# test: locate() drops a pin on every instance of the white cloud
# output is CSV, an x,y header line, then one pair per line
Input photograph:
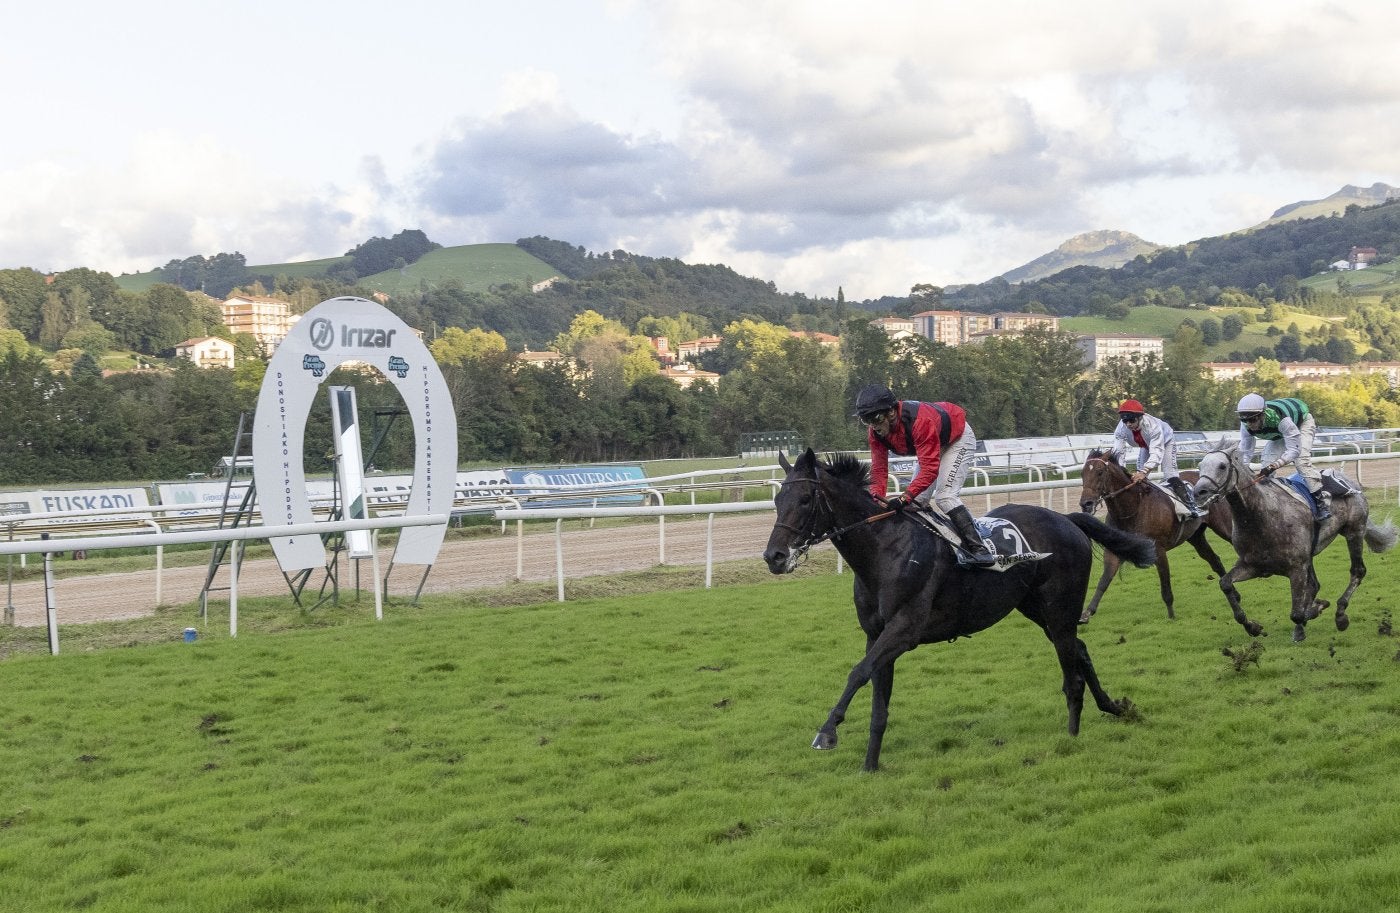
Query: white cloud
x,y
820,144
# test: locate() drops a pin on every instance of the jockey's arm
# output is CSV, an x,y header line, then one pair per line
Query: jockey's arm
x,y
1292,440
1156,447
1246,445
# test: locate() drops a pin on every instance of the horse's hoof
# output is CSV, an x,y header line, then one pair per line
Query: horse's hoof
x,y
1254,629
1084,619
1300,634
824,741
1343,622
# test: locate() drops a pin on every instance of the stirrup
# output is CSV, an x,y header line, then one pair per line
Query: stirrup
x,y
983,557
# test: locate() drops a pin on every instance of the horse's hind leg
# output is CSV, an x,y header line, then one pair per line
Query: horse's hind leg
x,y
1074,678
1358,574
1164,579
1111,563
1091,678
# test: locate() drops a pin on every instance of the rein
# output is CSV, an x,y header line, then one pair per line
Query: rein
x,y
811,537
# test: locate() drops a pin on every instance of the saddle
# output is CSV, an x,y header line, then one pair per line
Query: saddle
x,y
1183,512
1334,483
1002,536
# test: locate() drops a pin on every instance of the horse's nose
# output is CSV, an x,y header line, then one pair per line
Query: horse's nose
x,y
1086,506
777,559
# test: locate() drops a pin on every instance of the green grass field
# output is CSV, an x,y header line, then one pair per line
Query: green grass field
x,y
649,752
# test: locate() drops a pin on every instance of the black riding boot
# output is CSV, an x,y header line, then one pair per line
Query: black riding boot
x,y
1323,497
1187,496
977,550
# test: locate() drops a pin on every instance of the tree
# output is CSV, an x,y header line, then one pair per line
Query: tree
x,y
23,292
458,345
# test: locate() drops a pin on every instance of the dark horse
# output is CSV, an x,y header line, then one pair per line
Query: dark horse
x,y
909,589
1275,534
1145,509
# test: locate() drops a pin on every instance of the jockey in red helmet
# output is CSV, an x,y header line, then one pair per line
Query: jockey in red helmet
x,y
939,436
1156,449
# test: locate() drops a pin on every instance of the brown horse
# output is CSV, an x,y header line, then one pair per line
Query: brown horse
x,y
1143,508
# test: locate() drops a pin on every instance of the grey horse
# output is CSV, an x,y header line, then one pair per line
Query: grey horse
x,y
1274,534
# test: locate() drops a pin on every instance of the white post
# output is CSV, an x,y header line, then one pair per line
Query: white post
x,y
233,590
709,550
559,556
50,606
374,563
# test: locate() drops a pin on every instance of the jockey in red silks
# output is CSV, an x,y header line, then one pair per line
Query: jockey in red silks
x,y
945,445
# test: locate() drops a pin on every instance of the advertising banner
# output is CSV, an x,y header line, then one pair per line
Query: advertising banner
x,y
77,500
542,481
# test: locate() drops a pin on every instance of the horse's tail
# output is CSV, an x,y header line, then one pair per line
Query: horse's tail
x,y
1138,550
1382,538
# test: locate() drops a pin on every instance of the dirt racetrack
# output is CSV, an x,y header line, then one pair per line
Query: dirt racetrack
x,y
462,565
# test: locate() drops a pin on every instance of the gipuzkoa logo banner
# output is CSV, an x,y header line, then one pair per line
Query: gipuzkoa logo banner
x,y
332,333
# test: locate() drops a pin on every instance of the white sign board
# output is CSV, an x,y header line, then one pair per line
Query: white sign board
x,y
332,333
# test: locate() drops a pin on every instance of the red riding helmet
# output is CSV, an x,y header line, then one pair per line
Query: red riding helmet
x,y
1132,406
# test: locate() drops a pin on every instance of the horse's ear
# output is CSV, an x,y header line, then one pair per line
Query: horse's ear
x,y
808,459
782,461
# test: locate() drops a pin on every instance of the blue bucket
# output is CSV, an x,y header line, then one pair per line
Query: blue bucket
x,y
190,635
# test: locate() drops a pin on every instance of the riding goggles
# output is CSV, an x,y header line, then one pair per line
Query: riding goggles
x,y
1130,416
873,418
1248,417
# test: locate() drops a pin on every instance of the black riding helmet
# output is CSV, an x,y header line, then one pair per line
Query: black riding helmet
x,y
874,399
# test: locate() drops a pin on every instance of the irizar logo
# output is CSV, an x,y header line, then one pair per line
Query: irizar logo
x,y
398,365
322,336
366,337
314,364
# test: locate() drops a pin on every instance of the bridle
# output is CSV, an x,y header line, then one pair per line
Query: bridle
x,y
809,536
1109,494
1231,482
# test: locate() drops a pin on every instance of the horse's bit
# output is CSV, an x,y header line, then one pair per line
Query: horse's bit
x,y
1223,487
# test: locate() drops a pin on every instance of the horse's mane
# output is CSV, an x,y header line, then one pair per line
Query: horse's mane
x,y
1107,456
848,468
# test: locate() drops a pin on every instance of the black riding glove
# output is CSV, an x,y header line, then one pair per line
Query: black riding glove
x,y
898,503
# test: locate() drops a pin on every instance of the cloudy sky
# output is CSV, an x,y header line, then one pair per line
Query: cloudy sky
x,y
867,146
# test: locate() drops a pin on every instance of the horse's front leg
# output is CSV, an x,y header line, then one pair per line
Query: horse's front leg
x,y
1111,563
897,638
881,689
1240,571
1302,587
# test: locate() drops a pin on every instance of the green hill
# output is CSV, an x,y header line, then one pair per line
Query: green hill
x,y
1373,282
1107,249
478,267
1334,205
1154,320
